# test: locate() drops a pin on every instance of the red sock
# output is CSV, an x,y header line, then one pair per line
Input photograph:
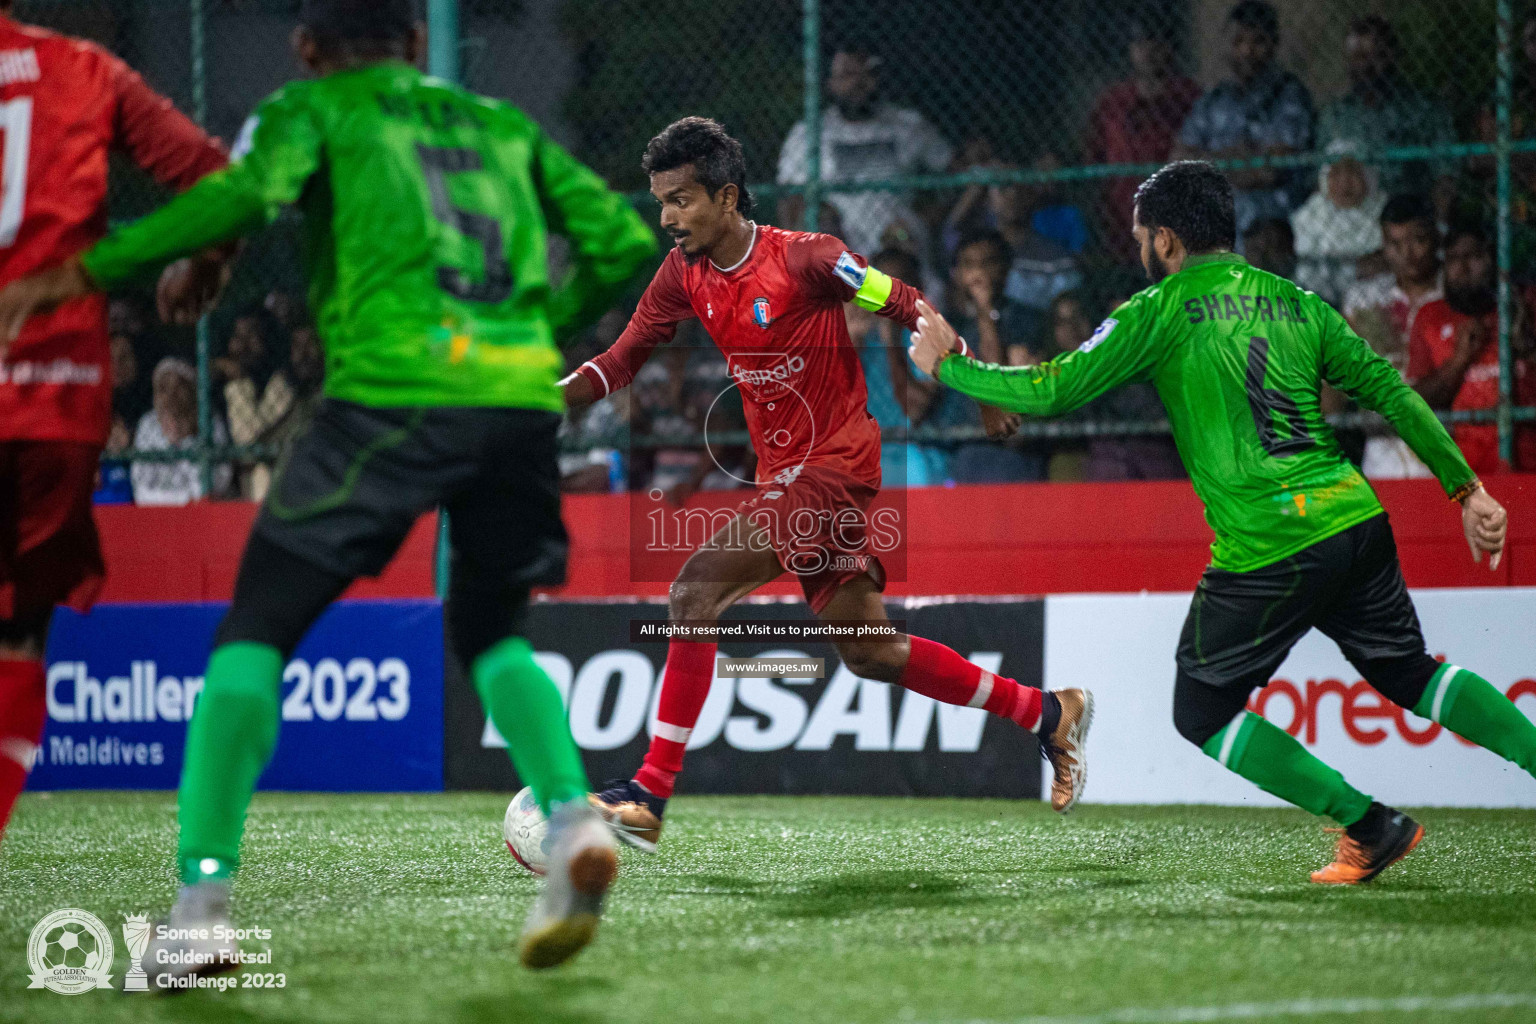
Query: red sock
x,y
684,686
934,670
22,713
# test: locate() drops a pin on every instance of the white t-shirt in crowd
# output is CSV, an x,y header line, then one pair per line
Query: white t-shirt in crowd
x,y
172,483
893,142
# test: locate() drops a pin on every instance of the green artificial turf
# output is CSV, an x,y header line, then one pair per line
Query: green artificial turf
x,y
773,909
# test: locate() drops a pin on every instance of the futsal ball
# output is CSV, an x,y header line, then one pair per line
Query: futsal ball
x,y
70,945
526,831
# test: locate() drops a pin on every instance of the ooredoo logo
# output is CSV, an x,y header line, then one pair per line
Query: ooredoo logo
x,y
1367,717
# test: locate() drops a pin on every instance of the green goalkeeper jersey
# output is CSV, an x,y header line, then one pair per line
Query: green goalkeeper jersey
x,y
1239,357
426,214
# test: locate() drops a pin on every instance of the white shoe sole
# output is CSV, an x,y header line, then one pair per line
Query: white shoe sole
x,y
1078,737
629,838
554,941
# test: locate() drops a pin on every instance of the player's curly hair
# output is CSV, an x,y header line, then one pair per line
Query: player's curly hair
x,y
1192,199
703,142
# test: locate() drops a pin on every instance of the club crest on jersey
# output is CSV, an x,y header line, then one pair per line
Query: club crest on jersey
x,y
761,314
1099,335
849,270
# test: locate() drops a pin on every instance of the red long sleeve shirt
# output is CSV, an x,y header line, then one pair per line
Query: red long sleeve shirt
x,y
64,104
778,318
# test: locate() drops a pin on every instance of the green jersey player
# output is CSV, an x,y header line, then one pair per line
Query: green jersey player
x,y
426,210
1239,356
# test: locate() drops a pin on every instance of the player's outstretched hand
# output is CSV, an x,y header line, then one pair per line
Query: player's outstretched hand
x,y
1485,523
933,340
189,287
38,293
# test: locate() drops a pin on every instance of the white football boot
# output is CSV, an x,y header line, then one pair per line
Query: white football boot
x,y
190,949
582,865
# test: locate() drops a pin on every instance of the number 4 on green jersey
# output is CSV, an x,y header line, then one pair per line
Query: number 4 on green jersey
x,y
1239,357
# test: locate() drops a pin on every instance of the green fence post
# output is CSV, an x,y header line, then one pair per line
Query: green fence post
x,y
812,39
442,61
1501,149
198,41
443,39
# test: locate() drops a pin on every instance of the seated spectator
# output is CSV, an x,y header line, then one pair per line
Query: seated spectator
x,y
1382,109
1259,111
1002,329
1270,244
864,138
305,377
131,399
131,392
1041,268
1051,214
1338,229
285,309
1068,323
256,396
170,425
1382,310
1048,213
902,397
1135,121
1453,355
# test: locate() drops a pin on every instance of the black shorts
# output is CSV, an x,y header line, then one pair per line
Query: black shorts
x,y
359,477
1241,625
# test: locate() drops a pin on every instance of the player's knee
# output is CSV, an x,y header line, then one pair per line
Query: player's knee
x,y
482,613
271,623
882,662
1197,713
694,600
1190,724
1401,680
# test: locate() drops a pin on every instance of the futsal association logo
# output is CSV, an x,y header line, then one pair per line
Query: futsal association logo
x,y
70,952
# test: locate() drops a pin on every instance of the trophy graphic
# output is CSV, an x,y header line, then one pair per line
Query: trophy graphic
x,y
136,935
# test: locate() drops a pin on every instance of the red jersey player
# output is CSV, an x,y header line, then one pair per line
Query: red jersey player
x,y
773,300
64,103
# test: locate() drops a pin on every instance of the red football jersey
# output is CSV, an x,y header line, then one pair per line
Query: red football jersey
x,y
1432,345
64,104
777,316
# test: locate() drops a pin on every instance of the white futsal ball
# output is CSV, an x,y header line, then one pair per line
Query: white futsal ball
x,y
526,831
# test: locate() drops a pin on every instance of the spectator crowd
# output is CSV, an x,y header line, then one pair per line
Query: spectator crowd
x,y
264,387
1025,271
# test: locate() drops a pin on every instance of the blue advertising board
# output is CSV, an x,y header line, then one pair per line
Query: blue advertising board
x,y
362,698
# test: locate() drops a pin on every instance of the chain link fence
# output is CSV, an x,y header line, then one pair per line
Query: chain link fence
x,y
987,151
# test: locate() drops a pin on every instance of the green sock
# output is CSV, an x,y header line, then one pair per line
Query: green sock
x,y
1271,759
1473,708
229,742
526,709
